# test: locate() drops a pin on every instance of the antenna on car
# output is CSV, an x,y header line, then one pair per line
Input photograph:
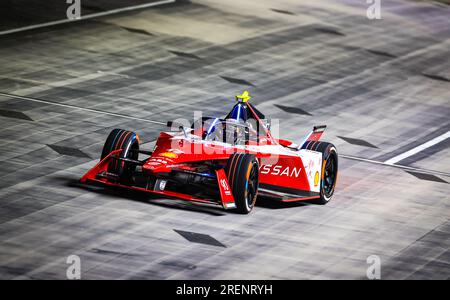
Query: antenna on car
x,y
244,97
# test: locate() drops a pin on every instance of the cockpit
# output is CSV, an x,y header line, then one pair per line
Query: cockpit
x,y
242,125
229,131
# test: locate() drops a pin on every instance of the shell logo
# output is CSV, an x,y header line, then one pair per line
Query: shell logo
x,y
169,154
316,178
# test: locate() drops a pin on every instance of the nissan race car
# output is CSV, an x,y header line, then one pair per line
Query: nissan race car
x,y
227,161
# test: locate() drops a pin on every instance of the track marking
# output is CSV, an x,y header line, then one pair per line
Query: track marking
x,y
164,124
81,108
418,149
395,166
86,17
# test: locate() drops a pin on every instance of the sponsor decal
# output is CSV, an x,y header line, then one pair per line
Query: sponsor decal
x,y
310,168
225,187
278,170
224,184
316,178
169,154
162,185
156,161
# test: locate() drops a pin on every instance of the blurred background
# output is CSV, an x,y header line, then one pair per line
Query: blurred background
x,y
382,86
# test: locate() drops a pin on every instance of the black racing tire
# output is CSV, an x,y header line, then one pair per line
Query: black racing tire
x,y
243,176
128,141
329,169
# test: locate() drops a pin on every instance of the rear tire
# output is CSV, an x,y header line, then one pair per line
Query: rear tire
x,y
128,142
243,176
329,169
329,172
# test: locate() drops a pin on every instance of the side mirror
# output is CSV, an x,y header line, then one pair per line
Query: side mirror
x,y
185,130
171,123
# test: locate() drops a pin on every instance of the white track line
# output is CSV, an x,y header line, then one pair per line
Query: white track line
x,y
418,149
81,108
395,166
91,16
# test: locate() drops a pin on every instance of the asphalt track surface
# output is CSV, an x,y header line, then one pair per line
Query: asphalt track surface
x,y
381,86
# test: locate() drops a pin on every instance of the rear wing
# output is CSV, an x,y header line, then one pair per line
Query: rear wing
x,y
313,136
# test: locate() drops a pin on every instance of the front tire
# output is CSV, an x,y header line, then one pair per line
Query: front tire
x,y
243,176
128,142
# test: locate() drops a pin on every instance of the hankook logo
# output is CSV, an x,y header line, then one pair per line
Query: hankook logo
x,y
278,170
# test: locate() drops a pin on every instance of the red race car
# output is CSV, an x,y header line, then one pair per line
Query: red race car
x,y
226,161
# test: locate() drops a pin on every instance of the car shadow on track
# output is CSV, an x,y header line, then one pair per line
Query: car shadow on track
x,y
143,197
266,202
172,203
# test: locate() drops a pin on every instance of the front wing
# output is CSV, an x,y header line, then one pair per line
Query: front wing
x,y
98,174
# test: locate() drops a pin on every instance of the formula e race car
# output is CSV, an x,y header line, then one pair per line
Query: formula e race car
x,y
227,161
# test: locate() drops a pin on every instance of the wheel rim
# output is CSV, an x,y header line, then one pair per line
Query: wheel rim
x,y
132,154
251,188
329,178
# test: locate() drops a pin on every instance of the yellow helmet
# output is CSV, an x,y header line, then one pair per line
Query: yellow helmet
x,y
244,97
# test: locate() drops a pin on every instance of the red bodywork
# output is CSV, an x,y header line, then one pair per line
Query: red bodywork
x,y
286,173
